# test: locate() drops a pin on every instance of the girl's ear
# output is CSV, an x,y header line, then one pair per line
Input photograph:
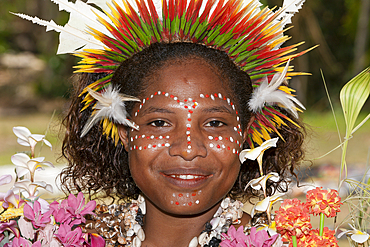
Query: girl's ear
x,y
245,133
123,135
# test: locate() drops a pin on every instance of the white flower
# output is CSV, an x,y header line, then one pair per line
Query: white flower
x,y
260,182
25,165
266,205
257,153
254,153
271,229
31,187
356,235
25,138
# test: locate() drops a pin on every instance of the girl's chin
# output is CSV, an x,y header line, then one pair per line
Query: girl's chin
x,y
186,204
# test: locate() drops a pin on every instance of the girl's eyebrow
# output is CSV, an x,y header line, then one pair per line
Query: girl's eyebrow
x,y
216,109
153,109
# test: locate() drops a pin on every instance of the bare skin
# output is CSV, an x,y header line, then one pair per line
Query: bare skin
x,y
184,157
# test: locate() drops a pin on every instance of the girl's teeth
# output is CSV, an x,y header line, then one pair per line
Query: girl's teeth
x,y
185,176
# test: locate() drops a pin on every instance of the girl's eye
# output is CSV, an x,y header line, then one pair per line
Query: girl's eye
x,y
159,123
215,123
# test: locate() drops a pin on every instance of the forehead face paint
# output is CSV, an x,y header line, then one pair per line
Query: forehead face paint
x,y
233,144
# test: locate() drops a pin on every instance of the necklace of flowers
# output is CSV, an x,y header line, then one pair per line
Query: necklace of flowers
x,y
124,224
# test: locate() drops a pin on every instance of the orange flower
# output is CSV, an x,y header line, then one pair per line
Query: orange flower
x,y
292,219
323,201
313,239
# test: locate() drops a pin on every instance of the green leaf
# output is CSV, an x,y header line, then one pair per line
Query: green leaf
x,y
353,96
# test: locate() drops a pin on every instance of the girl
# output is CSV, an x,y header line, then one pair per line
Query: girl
x,y
163,109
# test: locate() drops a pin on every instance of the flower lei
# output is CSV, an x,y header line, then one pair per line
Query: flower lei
x,y
28,220
123,223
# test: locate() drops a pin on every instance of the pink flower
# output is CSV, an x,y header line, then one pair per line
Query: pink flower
x,y
323,201
78,209
234,238
68,237
8,226
96,240
72,210
260,238
21,242
60,213
35,216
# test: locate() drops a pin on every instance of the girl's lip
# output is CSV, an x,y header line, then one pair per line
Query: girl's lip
x,y
186,180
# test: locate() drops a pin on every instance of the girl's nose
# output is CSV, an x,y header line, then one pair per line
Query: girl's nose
x,y
188,144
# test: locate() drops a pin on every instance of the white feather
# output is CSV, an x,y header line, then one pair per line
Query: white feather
x,y
110,104
74,36
82,15
269,93
70,38
102,4
290,8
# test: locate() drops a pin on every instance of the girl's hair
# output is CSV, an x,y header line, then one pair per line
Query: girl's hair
x,y
97,165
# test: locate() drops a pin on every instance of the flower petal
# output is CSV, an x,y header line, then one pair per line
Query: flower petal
x,y
21,132
37,137
262,205
5,179
20,159
26,228
96,240
47,143
21,171
28,212
253,154
360,237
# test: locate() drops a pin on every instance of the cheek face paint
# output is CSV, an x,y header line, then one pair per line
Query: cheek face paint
x,y
186,199
156,142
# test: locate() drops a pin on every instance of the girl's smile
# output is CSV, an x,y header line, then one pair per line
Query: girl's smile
x,y
184,157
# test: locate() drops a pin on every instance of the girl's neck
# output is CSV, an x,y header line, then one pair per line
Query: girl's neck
x,y
162,229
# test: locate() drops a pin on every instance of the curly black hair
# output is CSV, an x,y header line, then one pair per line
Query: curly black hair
x,y
97,165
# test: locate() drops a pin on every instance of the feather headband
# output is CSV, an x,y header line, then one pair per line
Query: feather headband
x,y
103,33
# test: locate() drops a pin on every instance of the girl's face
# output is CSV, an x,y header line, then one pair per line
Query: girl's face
x,y
184,157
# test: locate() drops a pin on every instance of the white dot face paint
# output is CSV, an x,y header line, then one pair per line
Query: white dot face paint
x,y
190,106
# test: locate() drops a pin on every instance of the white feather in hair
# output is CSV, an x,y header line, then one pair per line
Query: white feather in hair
x,y
269,93
110,104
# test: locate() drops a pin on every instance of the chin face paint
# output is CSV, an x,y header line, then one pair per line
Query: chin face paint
x,y
186,199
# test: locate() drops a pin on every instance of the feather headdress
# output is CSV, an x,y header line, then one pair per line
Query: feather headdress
x,y
106,32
